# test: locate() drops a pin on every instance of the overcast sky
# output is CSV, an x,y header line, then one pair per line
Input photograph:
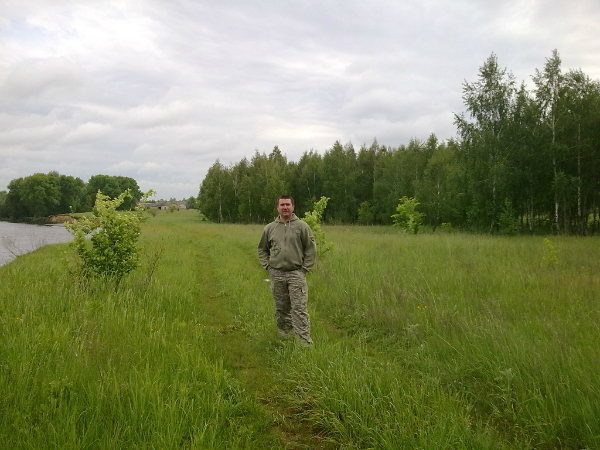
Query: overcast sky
x,y
158,90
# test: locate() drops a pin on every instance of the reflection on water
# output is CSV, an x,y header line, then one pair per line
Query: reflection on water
x,y
19,238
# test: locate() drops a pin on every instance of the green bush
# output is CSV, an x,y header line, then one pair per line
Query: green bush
x,y
366,216
508,220
113,252
313,219
407,215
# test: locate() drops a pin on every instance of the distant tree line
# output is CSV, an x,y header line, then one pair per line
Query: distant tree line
x,y
524,160
42,195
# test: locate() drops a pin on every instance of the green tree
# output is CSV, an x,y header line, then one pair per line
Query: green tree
x,y
113,187
248,200
112,248
530,175
3,208
191,203
387,184
365,214
276,181
549,91
407,216
313,219
582,123
72,194
216,194
40,193
439,190
307,181
339,182
508,220
14,206
365,177
486,143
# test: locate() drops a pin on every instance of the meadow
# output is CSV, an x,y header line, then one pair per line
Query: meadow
x,y
430,341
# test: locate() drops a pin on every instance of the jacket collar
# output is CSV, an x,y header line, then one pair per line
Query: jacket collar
x,y
294,217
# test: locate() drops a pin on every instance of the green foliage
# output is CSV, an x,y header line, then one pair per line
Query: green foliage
x,y
537,148
508,220
191,203
407,216
172,208
42,195
487,138
339,182
113,252
550,258
3,211
313,219
112,187
215,198
365,214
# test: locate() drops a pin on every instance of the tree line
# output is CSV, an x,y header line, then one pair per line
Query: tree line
x,y
523,160
42,195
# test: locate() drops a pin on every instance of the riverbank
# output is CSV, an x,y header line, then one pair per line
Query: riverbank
x,y
51,220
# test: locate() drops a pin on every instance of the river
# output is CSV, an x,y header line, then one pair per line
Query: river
x,y
20,238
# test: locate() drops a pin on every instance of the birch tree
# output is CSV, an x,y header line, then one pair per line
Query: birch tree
x,y
485,144
548,94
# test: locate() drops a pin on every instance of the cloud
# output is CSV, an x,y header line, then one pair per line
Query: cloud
x,y
159,90
35,77
86,132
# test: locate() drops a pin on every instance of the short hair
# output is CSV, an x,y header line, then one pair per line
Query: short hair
x,y
284,197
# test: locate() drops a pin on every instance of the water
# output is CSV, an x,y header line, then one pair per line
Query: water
x,y
19,238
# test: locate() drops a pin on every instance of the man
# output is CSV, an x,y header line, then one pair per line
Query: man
x,y
287,250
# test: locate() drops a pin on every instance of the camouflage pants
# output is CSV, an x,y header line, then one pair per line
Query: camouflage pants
x,y
290,295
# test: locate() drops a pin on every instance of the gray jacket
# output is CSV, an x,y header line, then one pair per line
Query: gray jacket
x,y
287,245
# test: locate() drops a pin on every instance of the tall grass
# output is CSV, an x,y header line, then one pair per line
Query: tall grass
x,y
428,341
84,367
484,321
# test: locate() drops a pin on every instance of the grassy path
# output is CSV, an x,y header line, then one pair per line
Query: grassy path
x,y
244,331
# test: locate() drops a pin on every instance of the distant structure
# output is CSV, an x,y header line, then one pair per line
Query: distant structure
x,y
163,205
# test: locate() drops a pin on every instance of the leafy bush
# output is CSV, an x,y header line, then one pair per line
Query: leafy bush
x,y
366,216
407,215
113,252
508,220
313,219
550,258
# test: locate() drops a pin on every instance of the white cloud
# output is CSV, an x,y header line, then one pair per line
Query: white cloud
x,y
86,132
159,90
34,77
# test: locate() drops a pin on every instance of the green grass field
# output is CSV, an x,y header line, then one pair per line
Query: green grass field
x,y
434,341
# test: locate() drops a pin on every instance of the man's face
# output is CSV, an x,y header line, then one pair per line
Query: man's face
x,y
285,208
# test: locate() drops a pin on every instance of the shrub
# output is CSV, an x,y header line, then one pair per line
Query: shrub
x,y
313,219
550,258
508,220
113,252
365,214
407,215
